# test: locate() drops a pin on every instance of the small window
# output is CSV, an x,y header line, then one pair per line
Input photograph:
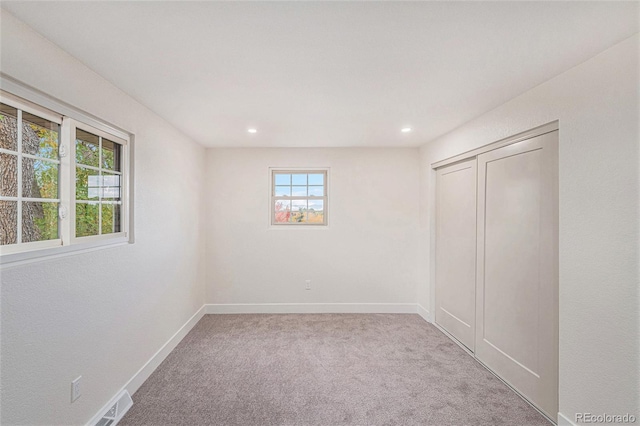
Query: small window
x,y
299,197
98,178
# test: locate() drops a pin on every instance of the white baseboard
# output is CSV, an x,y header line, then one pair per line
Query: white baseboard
x,y
424,313
312,308
149,367
565,421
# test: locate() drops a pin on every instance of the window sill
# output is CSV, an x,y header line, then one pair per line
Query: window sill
x,y
16,259
297,227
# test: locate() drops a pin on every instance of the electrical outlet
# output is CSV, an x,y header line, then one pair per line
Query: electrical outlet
x,y
307,285
75,389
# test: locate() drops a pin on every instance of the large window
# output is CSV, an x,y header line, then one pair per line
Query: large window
x,y
299,197
62,182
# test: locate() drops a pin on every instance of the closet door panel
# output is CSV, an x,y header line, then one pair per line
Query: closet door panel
x,y
456,250
516,312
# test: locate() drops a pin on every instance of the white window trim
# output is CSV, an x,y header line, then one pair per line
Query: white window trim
x,y
30,100
292,225
73,125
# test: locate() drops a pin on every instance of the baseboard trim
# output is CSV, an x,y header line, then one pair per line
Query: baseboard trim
x,y
312,308
424,313
149,367
565,421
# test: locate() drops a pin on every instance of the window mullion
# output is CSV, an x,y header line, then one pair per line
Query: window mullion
x,y
19,170
100,185
67,169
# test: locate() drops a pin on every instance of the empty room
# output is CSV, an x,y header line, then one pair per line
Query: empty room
x,y
319,213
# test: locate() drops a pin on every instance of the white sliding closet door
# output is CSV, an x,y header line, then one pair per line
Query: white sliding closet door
x,y
456,250
517,267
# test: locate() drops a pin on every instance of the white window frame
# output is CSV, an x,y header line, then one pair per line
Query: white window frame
x,y
69,119
273,198
124,206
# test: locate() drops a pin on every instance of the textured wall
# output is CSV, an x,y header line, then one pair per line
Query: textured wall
x,y
104,313
367,254
597,105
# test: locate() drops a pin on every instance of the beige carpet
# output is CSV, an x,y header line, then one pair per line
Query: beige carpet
x,y
331,369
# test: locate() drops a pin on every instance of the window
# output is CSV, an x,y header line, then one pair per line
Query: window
x,y
299,197
29,178
97,182
62,182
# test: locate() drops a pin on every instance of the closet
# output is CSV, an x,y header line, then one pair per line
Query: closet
x,y
496,260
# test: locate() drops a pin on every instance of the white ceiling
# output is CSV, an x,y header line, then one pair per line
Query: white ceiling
x,y
318,74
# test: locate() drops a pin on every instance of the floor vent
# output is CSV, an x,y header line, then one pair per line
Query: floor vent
x,y
114,413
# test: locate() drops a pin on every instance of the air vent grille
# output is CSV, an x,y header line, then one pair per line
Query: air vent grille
x,y
115,412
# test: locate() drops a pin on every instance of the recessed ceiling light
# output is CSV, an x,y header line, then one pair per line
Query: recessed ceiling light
x,y
406,129
252,130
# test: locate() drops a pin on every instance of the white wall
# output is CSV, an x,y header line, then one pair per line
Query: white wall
x,y
368,253
100,314
597,106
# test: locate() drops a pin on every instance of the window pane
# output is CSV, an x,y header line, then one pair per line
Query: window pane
x,y
39,136
299,179
299,191
8,222
8,175
314,217
282,212
283,191
110,218
298,205
39,221
39,178
298,209
315,213
316,205
298,217
316,179
87,146
110,186
111,155
87,184
87,219
316,191
282,179
8,127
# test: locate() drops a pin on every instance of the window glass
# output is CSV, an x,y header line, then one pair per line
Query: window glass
x,y
9,175
110,218
8,222
299,198
87,148
39,221
30,210
98,185
111,155
283,179
39,178
40,137
8,127
87,219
